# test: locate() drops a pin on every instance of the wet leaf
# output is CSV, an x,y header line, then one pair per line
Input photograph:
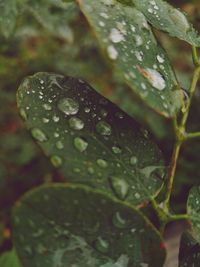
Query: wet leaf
x,y
125,35
8,15
189,253
165,17
81,232
9,259
89,138
193,208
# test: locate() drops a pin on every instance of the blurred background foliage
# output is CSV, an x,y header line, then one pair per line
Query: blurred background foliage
x,y
52,35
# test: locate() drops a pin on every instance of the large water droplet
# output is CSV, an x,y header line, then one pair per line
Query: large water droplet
x,y
156,79
103,128
112,52
76,123
102,245
118,221
119,186
102,163
80,144
116,36
56,161
39,135
68,106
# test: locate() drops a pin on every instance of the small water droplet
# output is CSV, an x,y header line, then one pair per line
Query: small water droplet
x,y
103,128
68,106
59,145
23,113
80,144
102,163
102,245
56,161
90,170
116,149
119,186
87,110
112,52
116,36
47,107
39,135
133,160
118,221
76,123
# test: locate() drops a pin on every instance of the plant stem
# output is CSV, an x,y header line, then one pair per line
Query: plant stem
x,y
180,132
193,135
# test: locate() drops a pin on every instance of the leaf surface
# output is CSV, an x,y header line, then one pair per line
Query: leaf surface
x,y
9,259
69,225
123,32
165,17
89,138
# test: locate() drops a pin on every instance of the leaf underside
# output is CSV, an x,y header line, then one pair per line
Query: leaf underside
x,y
71,226
123,32
9,259
189,253
89,138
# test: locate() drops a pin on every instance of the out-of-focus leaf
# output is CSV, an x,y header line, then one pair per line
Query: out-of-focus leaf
x,y
9,259
193,208
8,15
189,252
165,17
89,138
81,232
126,36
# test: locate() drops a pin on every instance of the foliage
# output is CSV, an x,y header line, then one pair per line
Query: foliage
x,y
113,151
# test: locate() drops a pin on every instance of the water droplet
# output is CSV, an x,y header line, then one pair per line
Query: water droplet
x,y
56,118
23,113
102,163
102,245
138,40
116,36
87,110
80,144
137,195
38,135
119,186
118,221
104,113
160,59
59,145
133,160
116,149
90,170
112,52
47,107
103,128
76,123
154,77
68,106
56,161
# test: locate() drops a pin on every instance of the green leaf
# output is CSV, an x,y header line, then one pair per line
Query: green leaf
x,y
125,35
8,15
193,208
89,138
72,225
9,259
165,17
189,253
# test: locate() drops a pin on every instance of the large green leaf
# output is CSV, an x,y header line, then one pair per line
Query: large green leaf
x,y
193,208
89,138
9,259
71,225
8,15
189,253
165,17
127,38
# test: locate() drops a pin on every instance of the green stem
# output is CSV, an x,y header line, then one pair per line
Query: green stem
x,y
193,135
179,217
195,56
180,132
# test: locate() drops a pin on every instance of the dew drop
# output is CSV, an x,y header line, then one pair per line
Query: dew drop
x,y
59,145
119,186
116,149
68,106
103,128
56,161
23,113
133,160
80,144
76,123
47,107
112,52
101,245
118,221
160,59
102,163
38,135
116,36
155,78
90,170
